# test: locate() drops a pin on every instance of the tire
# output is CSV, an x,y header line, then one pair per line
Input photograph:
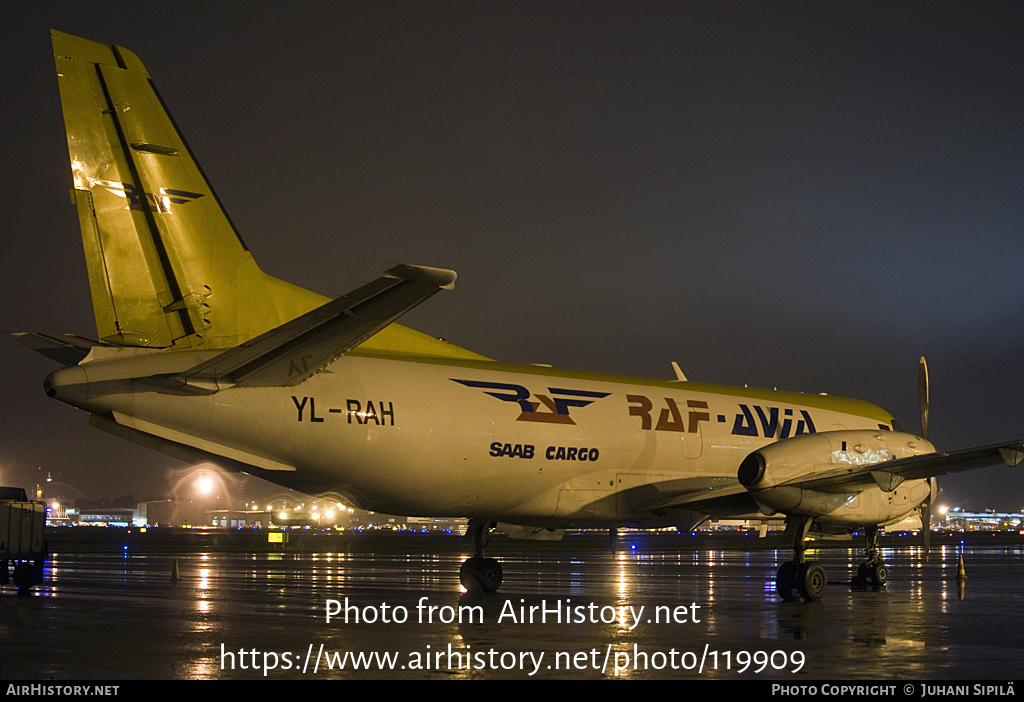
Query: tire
x,y
879,574
863,578
812,581
481,575
24,577
786,582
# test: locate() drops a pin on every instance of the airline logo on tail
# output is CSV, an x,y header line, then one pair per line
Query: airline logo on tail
x,y
153,202
556,408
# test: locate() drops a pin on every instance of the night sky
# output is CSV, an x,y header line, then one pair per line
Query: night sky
x,y
801,195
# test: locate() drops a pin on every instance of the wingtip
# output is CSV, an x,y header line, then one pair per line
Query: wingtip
x,y
441,277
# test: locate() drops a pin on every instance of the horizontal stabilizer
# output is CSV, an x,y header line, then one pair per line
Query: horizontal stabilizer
x,y
65,349
297,349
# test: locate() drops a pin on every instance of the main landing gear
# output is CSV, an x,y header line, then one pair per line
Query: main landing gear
x,y
479,574
799,578
873,572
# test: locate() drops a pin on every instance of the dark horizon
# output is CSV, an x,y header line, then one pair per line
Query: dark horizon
x,y
801,196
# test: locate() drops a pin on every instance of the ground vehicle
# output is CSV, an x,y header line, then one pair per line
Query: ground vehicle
x,y
22,541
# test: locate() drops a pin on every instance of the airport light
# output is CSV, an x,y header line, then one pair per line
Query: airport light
x,y
205,484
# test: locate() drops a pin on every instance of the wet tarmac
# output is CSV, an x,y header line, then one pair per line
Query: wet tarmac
x,y
562,612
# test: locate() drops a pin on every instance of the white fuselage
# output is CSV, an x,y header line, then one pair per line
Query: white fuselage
x,y
424,436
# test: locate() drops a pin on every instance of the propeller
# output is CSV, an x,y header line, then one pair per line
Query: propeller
x,y
922,403
922,395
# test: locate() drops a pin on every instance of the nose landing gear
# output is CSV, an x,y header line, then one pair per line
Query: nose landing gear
x,y
873,572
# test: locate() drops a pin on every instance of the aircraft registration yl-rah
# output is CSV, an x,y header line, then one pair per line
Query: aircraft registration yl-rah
x,y
205,357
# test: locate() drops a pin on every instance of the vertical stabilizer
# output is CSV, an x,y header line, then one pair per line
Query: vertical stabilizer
x,y
166,266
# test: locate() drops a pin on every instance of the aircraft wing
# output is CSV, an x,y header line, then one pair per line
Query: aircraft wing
x,y
719,502
297,349
889,474
731,499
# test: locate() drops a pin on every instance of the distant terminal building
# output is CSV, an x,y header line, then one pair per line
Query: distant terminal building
x,y
155,513
58,514
455,526
175,513
984,521
193,513
116,517
236,519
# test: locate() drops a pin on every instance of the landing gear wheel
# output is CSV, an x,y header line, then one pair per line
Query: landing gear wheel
x,y
787,582
799,578
879,574
812,581
24,577
872,574
480,574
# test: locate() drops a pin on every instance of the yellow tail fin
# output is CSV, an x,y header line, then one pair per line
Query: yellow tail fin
x,y
166,266
167,269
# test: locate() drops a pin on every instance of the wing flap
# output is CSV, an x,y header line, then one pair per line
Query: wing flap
x,y
727,500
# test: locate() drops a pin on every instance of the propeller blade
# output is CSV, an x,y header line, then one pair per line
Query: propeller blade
x,y
922,395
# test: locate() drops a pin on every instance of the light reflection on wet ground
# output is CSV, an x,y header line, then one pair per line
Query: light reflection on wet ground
x,y
103,616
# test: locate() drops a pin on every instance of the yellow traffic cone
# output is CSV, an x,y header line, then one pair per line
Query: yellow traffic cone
x,y
174,572
961,579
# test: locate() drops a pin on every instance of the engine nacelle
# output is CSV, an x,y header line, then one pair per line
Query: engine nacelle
x,y
767,472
